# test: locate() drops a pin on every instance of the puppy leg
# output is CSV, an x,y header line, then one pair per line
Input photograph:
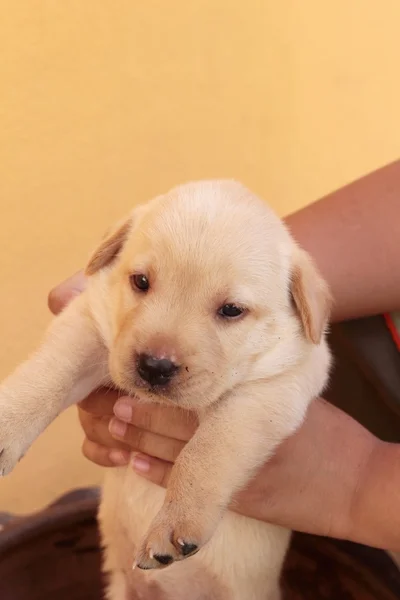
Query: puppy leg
x,y
69,364
233,440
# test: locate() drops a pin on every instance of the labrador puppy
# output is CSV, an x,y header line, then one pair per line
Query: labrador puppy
x,y
200,299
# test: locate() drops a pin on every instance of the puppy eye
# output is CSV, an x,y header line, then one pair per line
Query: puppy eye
x,y
230,311
140,282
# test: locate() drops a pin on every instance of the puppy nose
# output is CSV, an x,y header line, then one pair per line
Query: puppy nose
x,y
156,371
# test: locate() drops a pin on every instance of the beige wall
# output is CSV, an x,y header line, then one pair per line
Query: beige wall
x,y
104,104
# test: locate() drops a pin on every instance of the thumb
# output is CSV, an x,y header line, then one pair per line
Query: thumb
x,y
63,293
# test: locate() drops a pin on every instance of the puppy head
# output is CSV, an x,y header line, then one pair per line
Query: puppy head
x,y
202,284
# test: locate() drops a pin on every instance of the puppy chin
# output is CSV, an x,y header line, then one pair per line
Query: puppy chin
x,y
171,395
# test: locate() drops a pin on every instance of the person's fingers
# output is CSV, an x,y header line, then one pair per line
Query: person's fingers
x,y
164,420
63,293
147,442
153,469
100,402
104,457
96,429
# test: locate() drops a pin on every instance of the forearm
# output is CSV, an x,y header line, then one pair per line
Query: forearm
x,y
354,234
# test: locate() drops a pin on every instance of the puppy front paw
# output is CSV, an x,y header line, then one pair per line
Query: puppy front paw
x,y
174,535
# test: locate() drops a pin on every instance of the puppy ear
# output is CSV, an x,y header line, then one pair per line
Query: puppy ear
x,y
109,248
311,296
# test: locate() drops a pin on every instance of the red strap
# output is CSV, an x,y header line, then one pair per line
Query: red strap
x,y
393,330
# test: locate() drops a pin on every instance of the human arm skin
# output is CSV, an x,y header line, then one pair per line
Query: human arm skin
x,y
354,236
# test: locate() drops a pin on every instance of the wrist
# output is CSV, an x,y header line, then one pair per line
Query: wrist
x,y
374,516
312,481
346,465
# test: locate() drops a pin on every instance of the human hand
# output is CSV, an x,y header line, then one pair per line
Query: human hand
x,y
309,485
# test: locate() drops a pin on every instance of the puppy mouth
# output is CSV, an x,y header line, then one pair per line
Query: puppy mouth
x,y
152,393
154,388
160,387
131,381
177,391
173,393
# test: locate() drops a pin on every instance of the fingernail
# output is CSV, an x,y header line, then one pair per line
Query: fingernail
x,y
123,411
141,464
117,428
119,457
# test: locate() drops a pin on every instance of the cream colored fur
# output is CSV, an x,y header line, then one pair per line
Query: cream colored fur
x,y
249,380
